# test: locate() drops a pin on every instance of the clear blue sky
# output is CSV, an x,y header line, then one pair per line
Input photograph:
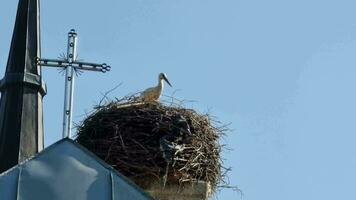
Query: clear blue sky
x,y
282,72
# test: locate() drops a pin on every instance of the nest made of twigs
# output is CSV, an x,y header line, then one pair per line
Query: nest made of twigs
x,y
146,141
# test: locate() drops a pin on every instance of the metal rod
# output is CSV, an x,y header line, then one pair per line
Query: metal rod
x,y
69,85
70,65
76,65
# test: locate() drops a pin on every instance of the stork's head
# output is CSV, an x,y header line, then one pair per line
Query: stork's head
x,y
162,76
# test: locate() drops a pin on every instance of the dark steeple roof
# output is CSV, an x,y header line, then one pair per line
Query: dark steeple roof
x,y
22,90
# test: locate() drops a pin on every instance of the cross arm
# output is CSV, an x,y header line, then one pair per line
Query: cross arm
x,y
91,66
76,65
52,62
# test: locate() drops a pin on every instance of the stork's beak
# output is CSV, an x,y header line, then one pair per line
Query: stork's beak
x,y
165,78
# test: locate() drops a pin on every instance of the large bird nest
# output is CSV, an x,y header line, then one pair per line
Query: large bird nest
x,y
154,141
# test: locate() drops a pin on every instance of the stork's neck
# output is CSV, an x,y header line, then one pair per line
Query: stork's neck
x,y
160,83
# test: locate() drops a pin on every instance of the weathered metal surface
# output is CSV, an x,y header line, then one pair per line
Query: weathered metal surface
x,y
66,170
22,90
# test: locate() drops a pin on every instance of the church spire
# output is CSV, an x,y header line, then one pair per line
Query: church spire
x,y
22,90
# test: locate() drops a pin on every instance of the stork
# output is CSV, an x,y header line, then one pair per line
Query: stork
x,y
153,94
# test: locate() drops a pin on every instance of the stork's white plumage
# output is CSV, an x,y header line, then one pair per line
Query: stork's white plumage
x,y
154,93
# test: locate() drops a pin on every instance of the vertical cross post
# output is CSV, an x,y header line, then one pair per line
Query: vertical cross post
x,y
70,64
69,84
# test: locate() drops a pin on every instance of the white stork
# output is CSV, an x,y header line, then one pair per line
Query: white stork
x,y
152,94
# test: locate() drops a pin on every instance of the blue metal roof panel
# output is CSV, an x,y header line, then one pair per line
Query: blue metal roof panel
x,y
8,185
64,171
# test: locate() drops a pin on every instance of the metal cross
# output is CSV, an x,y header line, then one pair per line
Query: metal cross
x,y
71,65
